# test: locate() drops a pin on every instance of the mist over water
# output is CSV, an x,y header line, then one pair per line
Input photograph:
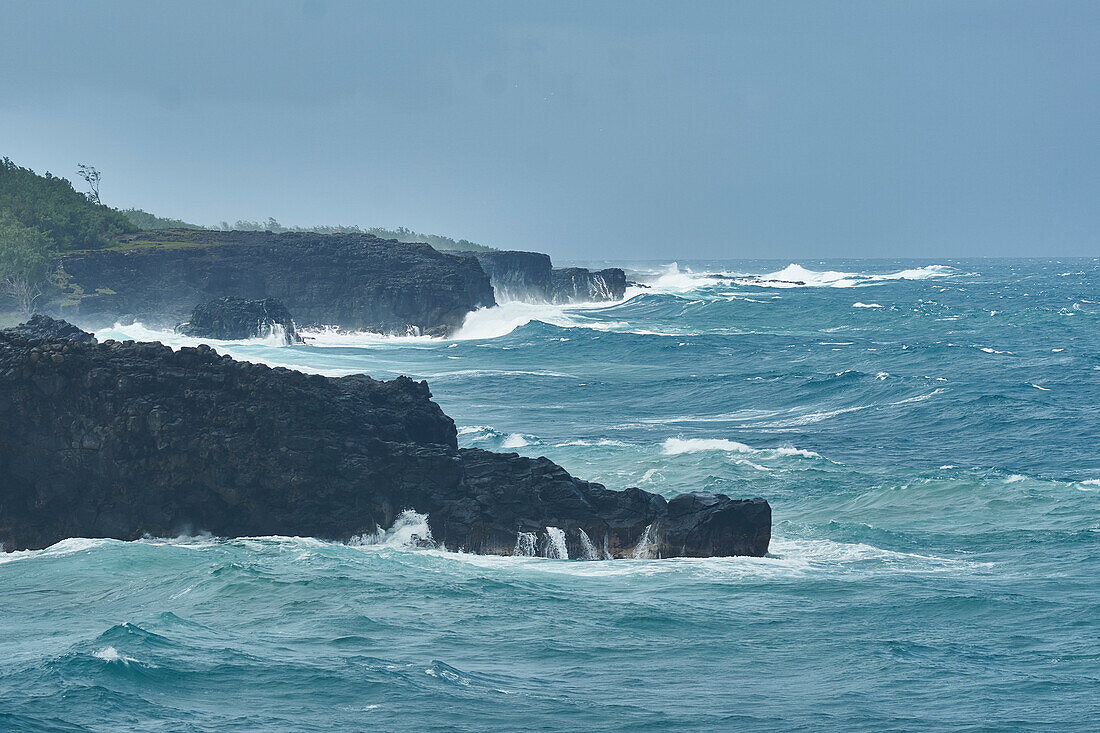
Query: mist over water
x,y
926,433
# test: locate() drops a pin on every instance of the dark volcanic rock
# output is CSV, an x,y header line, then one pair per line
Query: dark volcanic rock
x,y
241,318
576,284
127,439
521,276
530,277
44,328
352,281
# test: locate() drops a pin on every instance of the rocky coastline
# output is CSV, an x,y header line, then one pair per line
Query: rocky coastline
x,y
129,439
350,281
346,281
531,277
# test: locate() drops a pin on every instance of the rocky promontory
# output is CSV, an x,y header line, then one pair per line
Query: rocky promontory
x,y
531,277
129,439
351,281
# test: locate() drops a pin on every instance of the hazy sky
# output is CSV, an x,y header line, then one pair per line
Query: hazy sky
x,y
586,129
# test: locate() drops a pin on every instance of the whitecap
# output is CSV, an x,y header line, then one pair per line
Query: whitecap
x,y
797,276
500,320
866,305
515,440
680,446
920,397
111,655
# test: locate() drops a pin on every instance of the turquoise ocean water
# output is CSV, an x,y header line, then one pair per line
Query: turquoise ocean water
x,y
928,434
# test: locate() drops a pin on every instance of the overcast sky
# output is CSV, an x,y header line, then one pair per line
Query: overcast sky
x,y
587,129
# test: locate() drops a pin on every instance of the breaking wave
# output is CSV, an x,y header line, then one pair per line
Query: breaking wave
x,y
678,446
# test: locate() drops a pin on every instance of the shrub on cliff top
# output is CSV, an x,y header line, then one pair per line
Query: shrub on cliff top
x,y
52,206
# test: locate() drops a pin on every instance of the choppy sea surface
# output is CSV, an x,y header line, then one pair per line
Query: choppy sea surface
x,y
927,432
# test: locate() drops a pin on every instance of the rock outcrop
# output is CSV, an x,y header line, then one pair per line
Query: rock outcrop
x,y
44,328
127,439
230,319
530,277
352,281
523,276
577,284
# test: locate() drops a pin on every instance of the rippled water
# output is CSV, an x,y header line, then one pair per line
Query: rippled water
x,y
927,434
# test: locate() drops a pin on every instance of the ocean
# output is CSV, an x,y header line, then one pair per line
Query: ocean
x,y
927,433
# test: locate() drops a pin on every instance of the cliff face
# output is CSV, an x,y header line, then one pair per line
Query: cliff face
x,y
518,275
122,440
577,284
352,281
529,276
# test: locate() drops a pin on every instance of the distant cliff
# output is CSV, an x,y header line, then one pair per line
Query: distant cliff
x,y
353,281
577,284
530,276
122,440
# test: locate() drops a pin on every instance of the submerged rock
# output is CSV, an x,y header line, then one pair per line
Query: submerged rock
x,y
241,318
129,439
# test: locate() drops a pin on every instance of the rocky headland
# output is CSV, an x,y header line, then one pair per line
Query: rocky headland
x,y
350,281
531,277
130,439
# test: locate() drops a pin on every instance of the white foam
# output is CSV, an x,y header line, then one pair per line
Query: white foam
x,y
501,320
137,331
515,440
797,276
866,305
410,529
525,544
590,551
646,549
333,337
672,280
110,654
920,397
555,544
680,446
794,276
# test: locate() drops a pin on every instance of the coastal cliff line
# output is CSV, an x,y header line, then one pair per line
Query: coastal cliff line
x,y
130,439
351,281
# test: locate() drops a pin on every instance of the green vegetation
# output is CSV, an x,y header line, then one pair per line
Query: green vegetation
x,y
69,218
27,256
43,216
145,220
401,234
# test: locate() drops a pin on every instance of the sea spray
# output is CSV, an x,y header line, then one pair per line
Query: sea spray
x,y
525,544
590,551
555,544
410,529
646,548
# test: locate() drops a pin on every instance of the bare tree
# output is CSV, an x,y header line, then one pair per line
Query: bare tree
x,y
91,175
23,290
